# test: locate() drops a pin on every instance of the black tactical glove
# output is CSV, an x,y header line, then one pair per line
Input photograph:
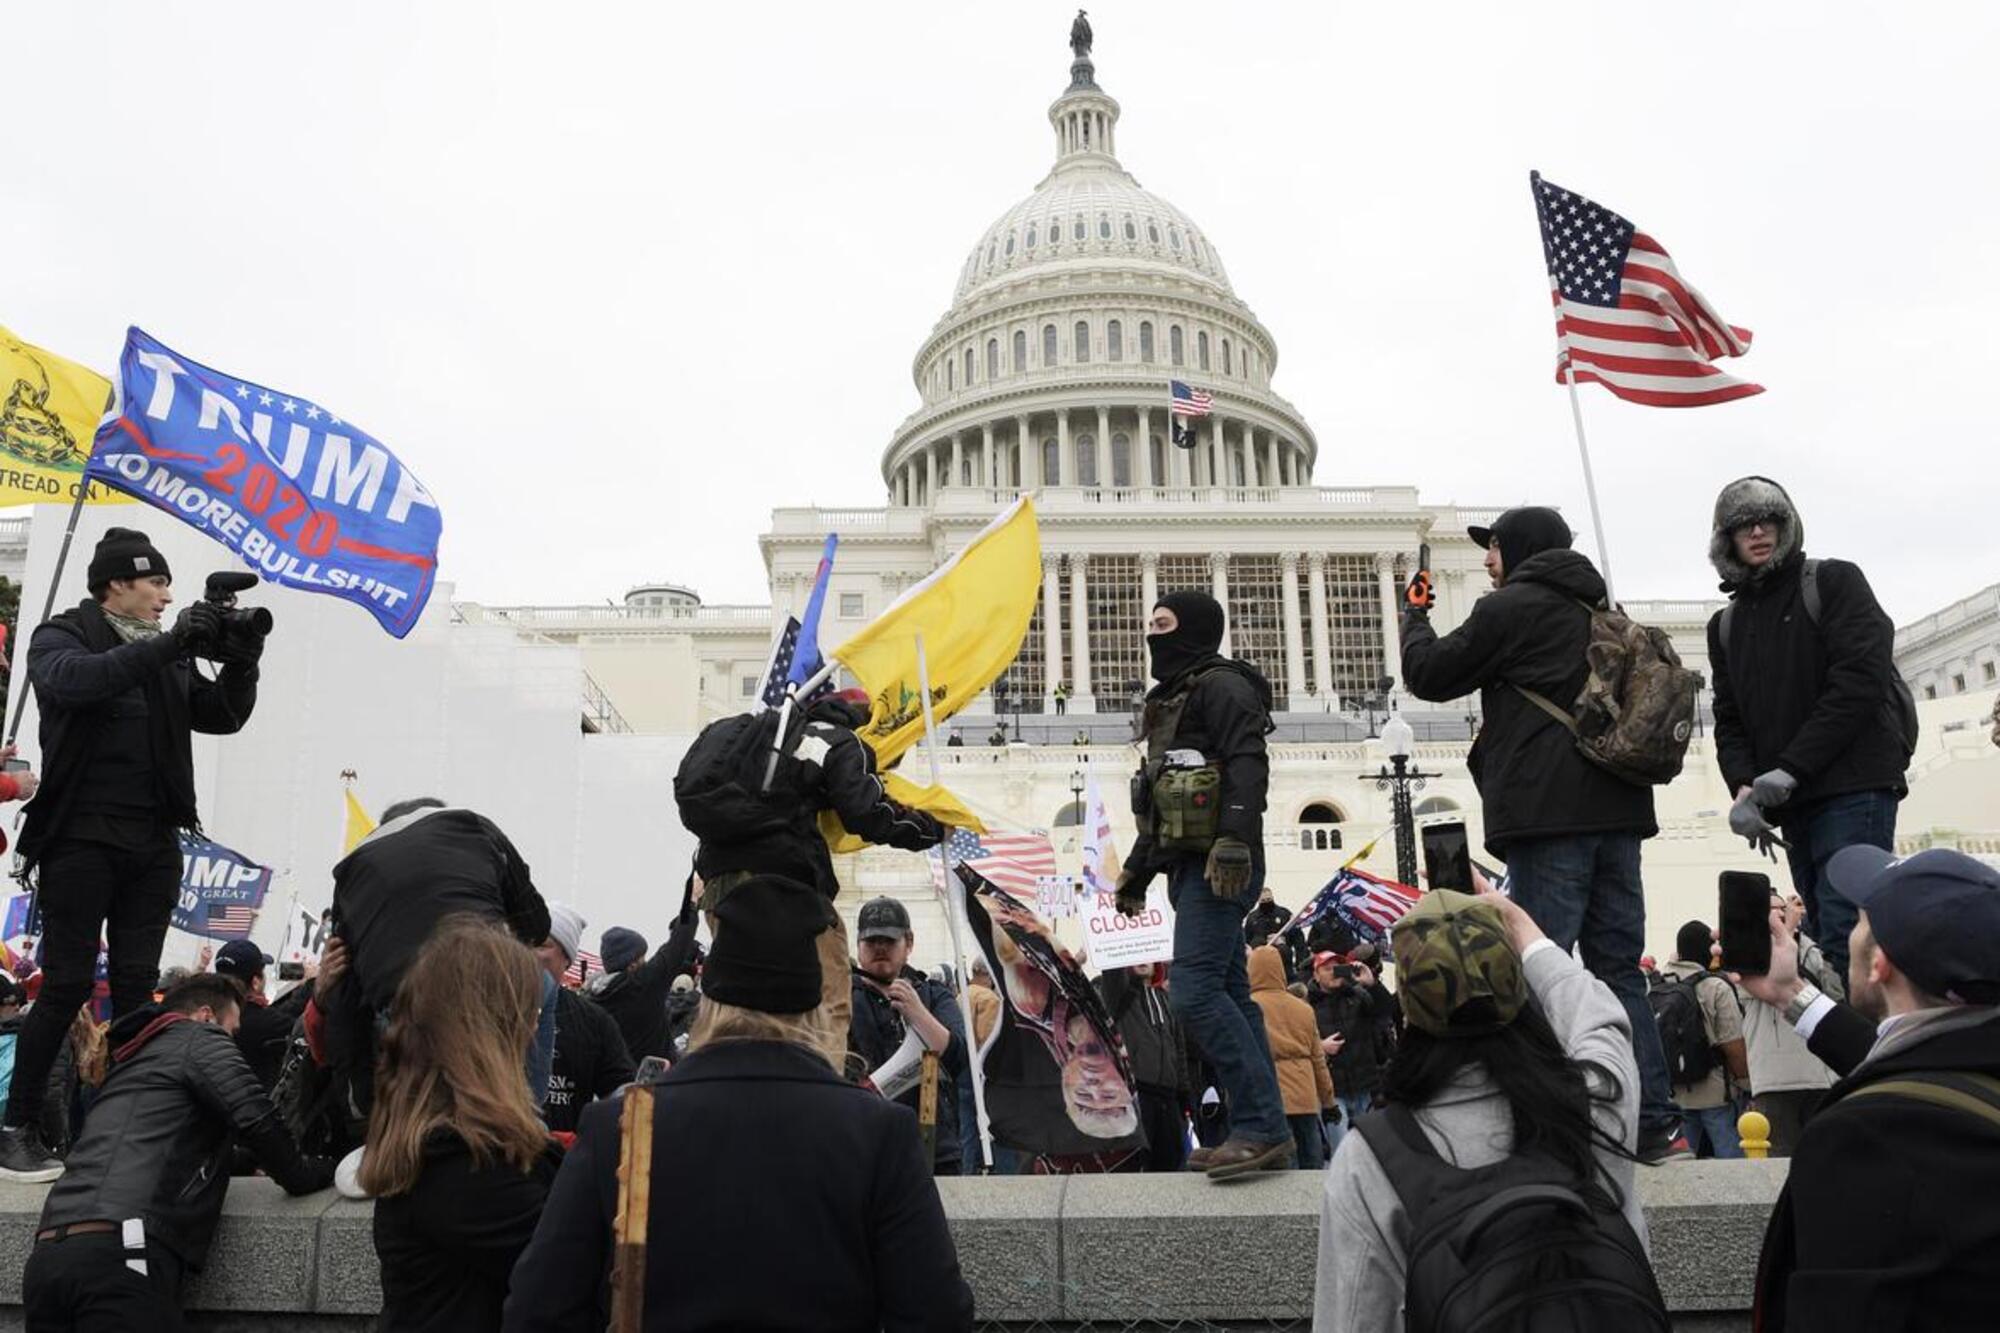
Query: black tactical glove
x,y
1228,869
198,628
1131,893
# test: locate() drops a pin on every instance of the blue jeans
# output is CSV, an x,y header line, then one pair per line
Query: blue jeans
x,y
1584,889
542,1053
1351,1105
1715,1125
1308,1143
1815,834
1209,991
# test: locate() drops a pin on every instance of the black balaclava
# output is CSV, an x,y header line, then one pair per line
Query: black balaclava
x,y
1195,639
1529,531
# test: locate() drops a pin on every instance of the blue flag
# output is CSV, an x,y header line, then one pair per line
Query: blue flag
x,y
806,659
221,890
306,498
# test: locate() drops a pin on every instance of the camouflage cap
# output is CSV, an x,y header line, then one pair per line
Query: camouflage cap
x,y
1452,949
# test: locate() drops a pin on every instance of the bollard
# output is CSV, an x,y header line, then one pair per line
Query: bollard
x,y
1754,1132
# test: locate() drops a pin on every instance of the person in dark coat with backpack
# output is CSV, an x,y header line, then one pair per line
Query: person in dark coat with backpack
x,y
635,990
1813,724
1516,1068
1568,830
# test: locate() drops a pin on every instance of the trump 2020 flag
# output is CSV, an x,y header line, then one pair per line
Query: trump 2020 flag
x,y
221,890
304,496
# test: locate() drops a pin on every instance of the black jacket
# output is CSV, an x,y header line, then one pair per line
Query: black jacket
x,y
1364,1017
1266,919
448,1245
1226,718
156,1143
591,1060
783,1198
84,676
1531,631
266,1030
1887,1218
1814,700
875,1031
826,767
1153,1039
636,998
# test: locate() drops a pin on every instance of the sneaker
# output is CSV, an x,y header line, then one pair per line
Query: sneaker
x,y
347,1176
24,1158
1240,1157
1660,1146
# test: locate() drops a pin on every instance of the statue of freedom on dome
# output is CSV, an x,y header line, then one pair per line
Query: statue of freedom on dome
x,y
1079,35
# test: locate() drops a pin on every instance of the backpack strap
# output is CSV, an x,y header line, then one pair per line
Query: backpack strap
x,y
1972,1094
1809,590
1404,1151
1547,705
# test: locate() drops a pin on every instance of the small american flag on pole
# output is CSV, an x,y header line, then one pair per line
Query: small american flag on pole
x,y
582,968
1009,861
231,921
1624,316
1183,401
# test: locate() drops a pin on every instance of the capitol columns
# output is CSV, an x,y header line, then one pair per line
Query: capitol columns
x,y
1052,637
1316,608
988,475
930,474
1295,646
1031,455
1065,460
1149,587
957,458
1104,474
1218,588
1079,632
1385,579
1272,470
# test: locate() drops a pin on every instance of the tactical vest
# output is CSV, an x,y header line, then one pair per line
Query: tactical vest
x,y
1178,805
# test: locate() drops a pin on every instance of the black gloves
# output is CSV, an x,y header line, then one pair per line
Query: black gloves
x,y
1228,870
1131,893
198,629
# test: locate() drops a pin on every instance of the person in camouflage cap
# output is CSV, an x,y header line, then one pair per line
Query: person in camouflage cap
x,y
1457,972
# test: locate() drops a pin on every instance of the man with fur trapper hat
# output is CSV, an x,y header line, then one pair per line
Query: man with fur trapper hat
x,y
1813,725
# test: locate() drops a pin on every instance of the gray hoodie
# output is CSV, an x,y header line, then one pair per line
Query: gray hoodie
x,y
1364,1234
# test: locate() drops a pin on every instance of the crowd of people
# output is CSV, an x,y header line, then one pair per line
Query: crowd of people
x,y
451,1056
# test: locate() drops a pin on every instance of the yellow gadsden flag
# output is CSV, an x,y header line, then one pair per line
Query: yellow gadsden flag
x,y
49,409
359,825
972,612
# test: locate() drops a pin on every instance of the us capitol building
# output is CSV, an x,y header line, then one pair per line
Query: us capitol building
x,y
1049,373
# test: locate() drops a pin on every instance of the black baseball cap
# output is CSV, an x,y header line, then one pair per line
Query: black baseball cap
x,y
241,959
882,919
1936,914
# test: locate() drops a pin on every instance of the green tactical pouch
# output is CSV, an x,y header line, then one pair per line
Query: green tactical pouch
x,y
1187,807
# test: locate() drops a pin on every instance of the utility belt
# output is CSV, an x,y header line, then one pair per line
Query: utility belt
x,y
1178,801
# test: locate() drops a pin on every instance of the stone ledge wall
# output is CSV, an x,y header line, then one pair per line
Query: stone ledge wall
x,y
1045,1251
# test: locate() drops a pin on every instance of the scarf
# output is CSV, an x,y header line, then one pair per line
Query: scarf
x,y
131,629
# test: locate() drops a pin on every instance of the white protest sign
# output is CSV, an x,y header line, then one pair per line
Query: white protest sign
x,y
1117,940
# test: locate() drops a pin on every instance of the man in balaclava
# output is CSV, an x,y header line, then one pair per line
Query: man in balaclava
x,y
1568,830
1813,724
1200,802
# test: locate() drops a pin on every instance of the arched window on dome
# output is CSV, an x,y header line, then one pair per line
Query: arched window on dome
x,y
1114,341
1031,235
1081,340
1145,340
1048,345
1176,346
1236,477
1051,464
992,358
1121,459
950,375
1131,231
1200,350
1152,231
1010,245
1194,244
1020,351
1086,460
992,248
1174,236
1103,226
1081,230
1228,366
968,367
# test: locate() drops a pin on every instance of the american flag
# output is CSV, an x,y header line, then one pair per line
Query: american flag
x,y
581,968
1366,905
1186,402
231,921
778,671
1623,312
1010,861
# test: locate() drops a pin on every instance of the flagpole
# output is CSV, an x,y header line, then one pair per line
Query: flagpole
x,y
1583,448
819,678
954,905
48,604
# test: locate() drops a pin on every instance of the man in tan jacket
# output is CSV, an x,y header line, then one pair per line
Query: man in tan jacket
x,y
1303,1080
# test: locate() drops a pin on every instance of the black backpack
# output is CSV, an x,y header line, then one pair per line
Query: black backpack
x,y
1512,1247
1676,1007
719,786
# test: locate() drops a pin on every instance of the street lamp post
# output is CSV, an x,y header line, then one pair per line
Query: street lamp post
x,y
1471,725
1076,790
1397,738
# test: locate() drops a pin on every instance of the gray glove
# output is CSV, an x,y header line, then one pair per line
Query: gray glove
x,y
1747,821
1774,788
1228,869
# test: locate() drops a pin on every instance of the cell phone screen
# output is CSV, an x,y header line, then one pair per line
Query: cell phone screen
x,y
1424,557
1447,858
1743,910
14,766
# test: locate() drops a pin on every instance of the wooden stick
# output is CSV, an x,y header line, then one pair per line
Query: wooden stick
x,y
927,1105
628,1230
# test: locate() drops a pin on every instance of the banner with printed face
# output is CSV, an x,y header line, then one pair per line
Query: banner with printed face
x,y
1057,1079
221,890
306,498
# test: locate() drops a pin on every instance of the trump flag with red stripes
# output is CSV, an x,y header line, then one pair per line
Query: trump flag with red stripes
x,y
1625,317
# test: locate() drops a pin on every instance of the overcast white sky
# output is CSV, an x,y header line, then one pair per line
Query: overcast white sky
x,y
617,279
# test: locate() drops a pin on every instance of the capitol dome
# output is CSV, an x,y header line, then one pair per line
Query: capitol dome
x,y
1072,314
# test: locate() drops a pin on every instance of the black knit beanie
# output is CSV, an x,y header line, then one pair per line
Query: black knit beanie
x,y
766,951
125,553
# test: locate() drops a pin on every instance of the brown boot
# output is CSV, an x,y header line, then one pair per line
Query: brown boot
x,y
1240,1157
1198,1158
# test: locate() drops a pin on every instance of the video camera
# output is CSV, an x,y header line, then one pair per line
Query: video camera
x,y
243,628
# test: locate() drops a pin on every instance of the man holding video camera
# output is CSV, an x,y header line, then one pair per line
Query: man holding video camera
x,y
120,696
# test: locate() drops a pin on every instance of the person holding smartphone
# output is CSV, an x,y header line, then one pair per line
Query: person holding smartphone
x,y
17,780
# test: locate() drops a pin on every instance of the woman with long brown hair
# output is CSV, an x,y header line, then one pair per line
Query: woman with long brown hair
x,y
457,1159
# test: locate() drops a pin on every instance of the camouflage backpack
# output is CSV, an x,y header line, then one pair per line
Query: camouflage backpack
x,y
1635,713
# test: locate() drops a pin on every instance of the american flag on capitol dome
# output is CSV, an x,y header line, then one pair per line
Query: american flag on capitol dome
x,y
1624,315
1009,861
1183,401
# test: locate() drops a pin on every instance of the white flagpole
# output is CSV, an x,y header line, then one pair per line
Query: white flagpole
x,y
954,907
785,716
1583,448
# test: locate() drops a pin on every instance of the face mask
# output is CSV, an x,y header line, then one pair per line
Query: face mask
x,y
1172,654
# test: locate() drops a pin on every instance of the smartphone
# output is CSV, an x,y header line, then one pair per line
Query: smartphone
x,y
1447,858
1424,559
14,766
1743,911
650,1069
291,971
